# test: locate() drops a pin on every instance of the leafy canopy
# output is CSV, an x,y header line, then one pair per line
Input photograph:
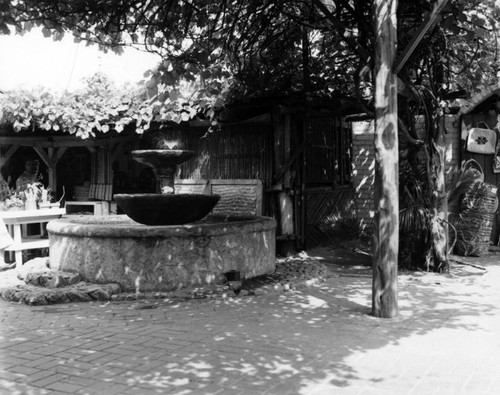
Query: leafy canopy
x,y
216,51
95,108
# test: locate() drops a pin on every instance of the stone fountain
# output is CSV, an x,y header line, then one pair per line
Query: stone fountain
x,y
165,207
166,241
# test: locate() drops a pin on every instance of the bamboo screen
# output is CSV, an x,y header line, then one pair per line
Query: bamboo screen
x,y
243,151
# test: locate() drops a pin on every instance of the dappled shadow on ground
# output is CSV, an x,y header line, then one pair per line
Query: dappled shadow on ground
x,y
312,341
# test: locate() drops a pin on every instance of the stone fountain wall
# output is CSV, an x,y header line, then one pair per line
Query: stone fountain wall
x,y
161,258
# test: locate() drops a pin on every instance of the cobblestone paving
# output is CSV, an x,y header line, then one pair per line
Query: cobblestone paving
x,y
317,340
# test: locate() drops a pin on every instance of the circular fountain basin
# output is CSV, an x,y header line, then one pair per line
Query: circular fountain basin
x,y
163,209
105,249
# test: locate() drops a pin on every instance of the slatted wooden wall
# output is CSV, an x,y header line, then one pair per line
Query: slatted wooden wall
x,y
328,152
246,151
243,151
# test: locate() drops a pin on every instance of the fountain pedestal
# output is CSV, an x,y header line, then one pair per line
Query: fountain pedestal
x,y
164,164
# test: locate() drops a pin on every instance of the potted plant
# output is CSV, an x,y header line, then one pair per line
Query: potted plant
x,y
46,198
14,201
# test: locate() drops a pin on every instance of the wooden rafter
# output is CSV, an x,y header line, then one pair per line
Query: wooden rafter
x,y
4,158
428,23
43,156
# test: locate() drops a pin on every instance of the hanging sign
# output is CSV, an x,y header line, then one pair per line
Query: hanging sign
x,y
481,140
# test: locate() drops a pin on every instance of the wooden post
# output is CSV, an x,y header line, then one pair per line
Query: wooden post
x,y
284,207
51,169
50,158
386,232
285,203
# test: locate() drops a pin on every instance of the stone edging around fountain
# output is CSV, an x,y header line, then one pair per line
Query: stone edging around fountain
x,y
115,249
289,275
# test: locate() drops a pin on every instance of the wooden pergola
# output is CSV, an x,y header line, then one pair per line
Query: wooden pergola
x,y
386,67
51,149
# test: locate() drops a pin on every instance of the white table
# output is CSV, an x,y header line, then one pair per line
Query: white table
x,y
15,219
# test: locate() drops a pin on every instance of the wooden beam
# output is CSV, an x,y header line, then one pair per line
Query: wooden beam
x,y
58,155
62,141
5,158
43,155
386,229
29,141
51,157
428,23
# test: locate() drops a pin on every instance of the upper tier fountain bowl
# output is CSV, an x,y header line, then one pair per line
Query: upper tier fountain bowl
x,y
158,159
165,208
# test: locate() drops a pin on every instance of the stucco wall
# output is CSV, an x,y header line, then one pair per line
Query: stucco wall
x,y
363,171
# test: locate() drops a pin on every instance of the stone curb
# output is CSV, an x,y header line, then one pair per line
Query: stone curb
x,y
37,296
288,276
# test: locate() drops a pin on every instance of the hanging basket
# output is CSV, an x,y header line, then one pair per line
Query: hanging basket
x,y
475,220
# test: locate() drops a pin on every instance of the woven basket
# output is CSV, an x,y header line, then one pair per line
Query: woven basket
x,y
475,220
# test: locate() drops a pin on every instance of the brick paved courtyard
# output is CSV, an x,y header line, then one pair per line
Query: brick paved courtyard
x,y
319,340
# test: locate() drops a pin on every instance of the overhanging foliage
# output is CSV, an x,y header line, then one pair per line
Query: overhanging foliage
x,y
216,51
98,107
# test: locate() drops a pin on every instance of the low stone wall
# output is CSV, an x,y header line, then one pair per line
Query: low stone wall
x,y
115,249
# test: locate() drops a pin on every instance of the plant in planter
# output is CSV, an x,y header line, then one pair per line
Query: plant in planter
x,y
5,191
14,201
45,199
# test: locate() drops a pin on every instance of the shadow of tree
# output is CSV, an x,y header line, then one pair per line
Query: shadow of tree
x,y
316,340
